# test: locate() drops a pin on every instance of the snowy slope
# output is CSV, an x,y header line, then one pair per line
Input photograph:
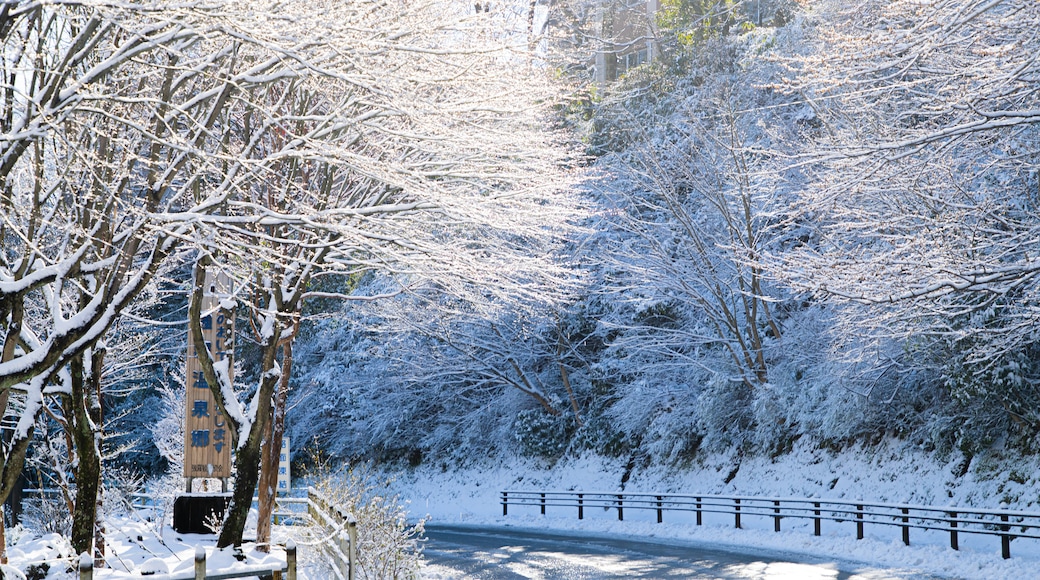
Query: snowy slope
x,y
891,472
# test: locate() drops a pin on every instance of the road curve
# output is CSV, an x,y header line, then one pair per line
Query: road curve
x,y
496,553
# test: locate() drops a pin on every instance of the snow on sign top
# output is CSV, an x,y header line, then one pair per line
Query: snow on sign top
x,y
217,285
207,441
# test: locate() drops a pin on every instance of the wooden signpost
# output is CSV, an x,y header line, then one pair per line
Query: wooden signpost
x,y
207,442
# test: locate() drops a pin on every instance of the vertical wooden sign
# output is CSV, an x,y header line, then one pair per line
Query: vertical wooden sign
x,y
207,443
284,469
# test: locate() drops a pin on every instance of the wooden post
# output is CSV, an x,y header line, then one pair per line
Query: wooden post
x,y
859,522
776,515
697,503
736,511
200,563
344,544
906,527
290,559
543,502
505,503
86,567
620,508
954,544
660,516
352,554
581,510
312,501
816,518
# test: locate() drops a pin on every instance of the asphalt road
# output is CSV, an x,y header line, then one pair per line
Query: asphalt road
x,y
507,554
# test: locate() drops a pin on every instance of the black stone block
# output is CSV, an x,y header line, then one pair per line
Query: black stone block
x,y
192,511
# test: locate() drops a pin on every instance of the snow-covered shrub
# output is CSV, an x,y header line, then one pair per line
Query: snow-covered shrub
x,y
168,429
47,514
540,434
388,545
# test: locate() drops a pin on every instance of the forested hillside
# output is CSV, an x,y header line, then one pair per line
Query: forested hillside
x,y
810,220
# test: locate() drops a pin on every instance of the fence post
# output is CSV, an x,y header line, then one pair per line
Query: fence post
x,y
816,518
906,525
312,504
581,507
345,544
620,512
543,503
736,512
859,521
352,554
86,567
505,503
954,544
697,501
200,563
290,559
660,516
776,515
1005,539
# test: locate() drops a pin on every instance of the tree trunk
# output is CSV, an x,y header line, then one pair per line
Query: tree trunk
x,y
247,471
271,453
85,423
247,456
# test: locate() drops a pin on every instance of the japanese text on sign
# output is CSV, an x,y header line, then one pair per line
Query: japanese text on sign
x,y
207,452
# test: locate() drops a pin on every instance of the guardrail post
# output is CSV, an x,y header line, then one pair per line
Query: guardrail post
x,y
954,544
86,567
906,525
697,502
543,503
1005,539
660,515
620,509
200,563
581,507
776,515
736,512
290,559
816,518
859,521
505,503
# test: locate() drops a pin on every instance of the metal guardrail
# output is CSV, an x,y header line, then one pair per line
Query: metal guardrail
x,y
1005,524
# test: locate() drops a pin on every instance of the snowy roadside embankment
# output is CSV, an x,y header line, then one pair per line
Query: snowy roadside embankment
x,y
892,472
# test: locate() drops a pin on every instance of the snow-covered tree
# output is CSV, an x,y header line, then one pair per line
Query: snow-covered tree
x,y
132,129
920,216
441,171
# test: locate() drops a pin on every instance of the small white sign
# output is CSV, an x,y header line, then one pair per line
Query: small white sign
x,y
284,471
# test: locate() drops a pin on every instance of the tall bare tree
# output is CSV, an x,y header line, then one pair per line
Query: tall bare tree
x,y
132,130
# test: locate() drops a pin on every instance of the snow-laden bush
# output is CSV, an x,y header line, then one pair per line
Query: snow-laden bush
x,y
388,545
540,434
47,514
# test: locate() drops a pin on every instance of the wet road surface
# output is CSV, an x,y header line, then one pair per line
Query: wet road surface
x,y
455,552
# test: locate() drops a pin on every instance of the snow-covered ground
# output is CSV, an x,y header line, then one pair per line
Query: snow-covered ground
x,y
137,547
133,550
889,473
893,472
